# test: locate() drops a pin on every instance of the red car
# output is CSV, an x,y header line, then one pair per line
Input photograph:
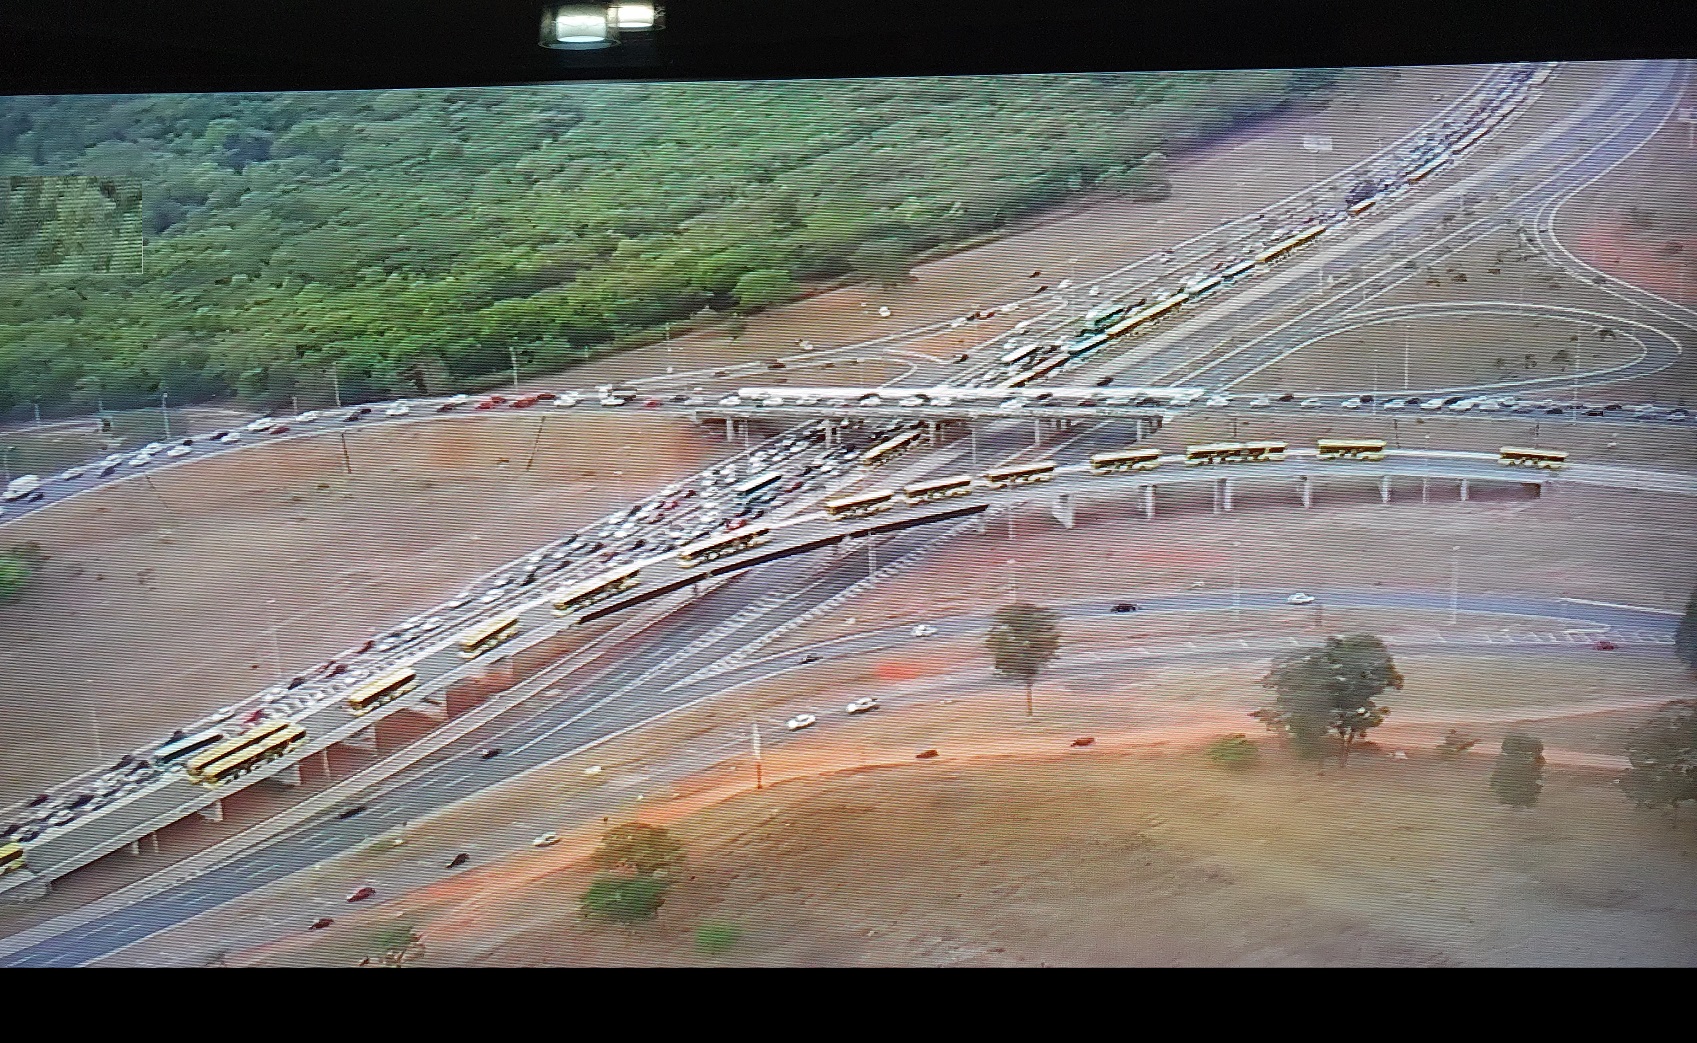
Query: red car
x,y
652,403
251,717
546,396
735,523
1604,646
524,403
492,401
362,894
321,923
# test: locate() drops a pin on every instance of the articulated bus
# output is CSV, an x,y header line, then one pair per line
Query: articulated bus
x,y
1238,269
11,857
1202,286
1421,171
1234,452
1090,343
231,748
1273,253
380,690
1146,459
270,748
1548,458
888,450
1362,207
860,504
1101,318
587,593
756,485
938,489
1147,315
1018,355
1351,448
1002,477
177,749
720,546
485,636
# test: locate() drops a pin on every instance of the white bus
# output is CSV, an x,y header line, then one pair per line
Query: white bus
x,y
1145,459
582,595
380,690
859,504
757,485
888,450
1002,477
722,545
177,749
1513,456
488,635
938,489
1351,448
1234,452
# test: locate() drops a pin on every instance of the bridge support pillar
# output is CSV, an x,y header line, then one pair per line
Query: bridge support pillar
x,y
931,432
1036,432
213,812
290,776
983,522
1139,429
1149,502
1425,490
134,848
1537,490
324,761
33,888
1385,488
1464,490
1064,509
1307,491
364,739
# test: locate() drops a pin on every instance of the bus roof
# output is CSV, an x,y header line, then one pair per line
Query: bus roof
x,y
1041,465
483,630
388,680
841,501
1509,450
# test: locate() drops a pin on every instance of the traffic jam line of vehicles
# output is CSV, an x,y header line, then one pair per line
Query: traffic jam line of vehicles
x,y
699,519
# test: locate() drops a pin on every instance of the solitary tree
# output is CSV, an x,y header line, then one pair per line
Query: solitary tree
x,y
1663,752
639,848
1022,640
1685,638
1519,775
1333,688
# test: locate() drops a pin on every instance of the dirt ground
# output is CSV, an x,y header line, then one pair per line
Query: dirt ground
x,y
162,594
1012,848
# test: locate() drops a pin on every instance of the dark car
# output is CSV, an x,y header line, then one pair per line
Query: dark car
x,y
546,396
366,646
35,496
347,813
1594,412
1554,411
1125,606
1604,646
963,357
295,682
280,429
1286,397
218,435
1415,400
811,657
774,364
321,923
362,894
459,860
186,441
125,761
1104,382
351,417
1366,399
491,752
446,407
109,469
80,800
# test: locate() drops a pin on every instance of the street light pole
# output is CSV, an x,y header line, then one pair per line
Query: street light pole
x,y
1237,582
335,384
513,354
1455,581
165,415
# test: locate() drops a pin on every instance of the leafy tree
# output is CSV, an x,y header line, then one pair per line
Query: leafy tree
x,y
1233,751
1663,752
888,261
1518,777
1685,637
638,848
1023,639
760,289
1333,688
716,937
14,576
624,897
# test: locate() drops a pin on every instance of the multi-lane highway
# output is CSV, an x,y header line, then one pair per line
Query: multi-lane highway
x,y
704,630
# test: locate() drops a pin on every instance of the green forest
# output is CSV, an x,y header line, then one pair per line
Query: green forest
x,y
416,240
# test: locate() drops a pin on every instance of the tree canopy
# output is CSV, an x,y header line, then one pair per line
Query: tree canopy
x,y
1332,688
1663,754
400,234
1023,639
638,848
1518,776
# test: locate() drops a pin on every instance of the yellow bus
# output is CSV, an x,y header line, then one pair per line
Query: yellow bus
x,y
229,747
1146,459
726,543
888,450
587,593
380,690
1147,315
938,489
1002,477
1514,456
860,504
1278,250
1234,452
485,636
11,857
252,757
1351,448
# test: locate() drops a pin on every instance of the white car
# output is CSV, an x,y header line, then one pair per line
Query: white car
x,y
612,400
458,400
1351,403
259,425
1261,402
1489,406
115,458
1013,403
883,313
230,437
1300,598
565,401
800,721
1432,404
1396,403
912,401
73,473
1461,407
398,409
731,400
923,631
307,417
181,450
1312,403
1219,400
807,400
871,400
546,840
865,704
141,460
